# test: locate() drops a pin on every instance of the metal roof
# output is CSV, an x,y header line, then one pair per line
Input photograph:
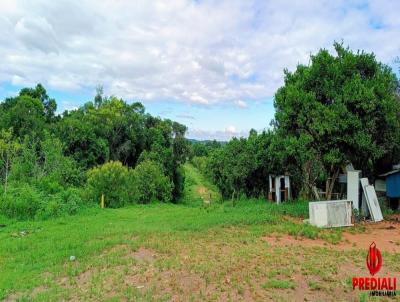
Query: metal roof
x,y
390,173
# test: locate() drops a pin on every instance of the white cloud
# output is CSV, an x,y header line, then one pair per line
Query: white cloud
x,y
36,33
185,116
230,129
219,135
200,52
197,99
66,105
241,103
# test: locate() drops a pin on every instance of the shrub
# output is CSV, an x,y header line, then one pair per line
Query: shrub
x,y
72,200
50,208
47,185
65,202
21,202
110,179
24,201
45,162
178,183
149,183
121,186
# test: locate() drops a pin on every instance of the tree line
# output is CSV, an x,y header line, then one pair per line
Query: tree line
x,y
339,109
54,163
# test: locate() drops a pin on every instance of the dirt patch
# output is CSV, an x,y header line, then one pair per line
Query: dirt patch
x,y
204,193
20,296
141,255
12,297
303,291
385,234
144,255
83,279
116,249
202,190
136,273
394,218
287,240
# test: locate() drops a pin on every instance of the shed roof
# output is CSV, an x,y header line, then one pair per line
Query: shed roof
x,y
390,173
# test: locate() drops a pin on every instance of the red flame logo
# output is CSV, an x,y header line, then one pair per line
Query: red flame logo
x,y
374,259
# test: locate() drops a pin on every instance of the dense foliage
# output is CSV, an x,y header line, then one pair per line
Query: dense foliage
x,y
243,165
44,156
343,109
121,185
340,109
202,148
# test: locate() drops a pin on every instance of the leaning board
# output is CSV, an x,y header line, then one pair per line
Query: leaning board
x,y
365,207
373,203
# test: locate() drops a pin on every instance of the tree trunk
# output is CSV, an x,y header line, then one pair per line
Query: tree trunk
x,y
307,185
6,177
315,192
330,183
309,182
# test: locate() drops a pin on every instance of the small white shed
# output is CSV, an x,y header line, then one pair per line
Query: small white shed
x,y
279,188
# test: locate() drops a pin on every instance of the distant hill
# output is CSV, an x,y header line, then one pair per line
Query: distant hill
x,y
206,141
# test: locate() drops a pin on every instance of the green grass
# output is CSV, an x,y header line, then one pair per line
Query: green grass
x,y
280,284
220,245
31,248
193,182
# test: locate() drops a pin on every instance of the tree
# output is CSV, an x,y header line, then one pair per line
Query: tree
x,y
148,183
98,99
8,151
232,166
40,93
121,137
81,140
342,109
110,179
24,114
42,163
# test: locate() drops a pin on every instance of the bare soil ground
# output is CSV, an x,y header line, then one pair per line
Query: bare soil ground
x,y
385,234
204,193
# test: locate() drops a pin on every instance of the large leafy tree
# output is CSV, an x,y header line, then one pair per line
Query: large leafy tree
x,y
23,114
81,140
343,109
232,166
40,93
108,129
29,113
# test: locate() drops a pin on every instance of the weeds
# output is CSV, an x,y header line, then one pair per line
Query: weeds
x,y
280,284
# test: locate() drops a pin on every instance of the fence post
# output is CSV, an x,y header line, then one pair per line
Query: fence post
x,y
102,201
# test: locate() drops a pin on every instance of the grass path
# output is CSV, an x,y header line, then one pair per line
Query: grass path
x,y
198,190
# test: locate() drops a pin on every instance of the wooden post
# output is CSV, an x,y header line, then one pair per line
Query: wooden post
x,y
102,201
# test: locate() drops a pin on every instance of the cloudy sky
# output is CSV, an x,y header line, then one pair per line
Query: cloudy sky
x,y
212,65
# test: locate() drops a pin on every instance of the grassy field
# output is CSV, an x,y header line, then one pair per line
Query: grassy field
x,y
184,252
